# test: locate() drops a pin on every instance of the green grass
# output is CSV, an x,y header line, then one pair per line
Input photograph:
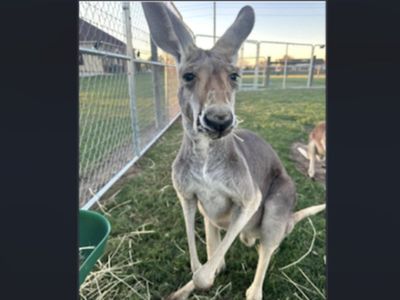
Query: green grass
x,y
148,226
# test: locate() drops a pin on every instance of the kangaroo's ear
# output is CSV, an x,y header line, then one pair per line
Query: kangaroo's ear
x,y
167,30
229,44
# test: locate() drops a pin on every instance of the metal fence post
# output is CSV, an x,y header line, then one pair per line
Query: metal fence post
x,y
167,92
311,68
285,67
131,77
256,69
158,101
267,72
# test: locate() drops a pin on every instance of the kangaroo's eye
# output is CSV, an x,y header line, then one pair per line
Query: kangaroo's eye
x,y
234,76
188,77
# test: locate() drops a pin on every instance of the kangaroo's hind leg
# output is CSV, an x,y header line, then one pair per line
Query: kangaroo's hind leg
x,y
270,240
311,156
277,216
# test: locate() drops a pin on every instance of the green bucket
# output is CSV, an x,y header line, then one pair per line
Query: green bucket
x,y
94,230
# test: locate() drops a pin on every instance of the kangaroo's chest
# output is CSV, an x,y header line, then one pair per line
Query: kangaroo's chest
x,y
212,188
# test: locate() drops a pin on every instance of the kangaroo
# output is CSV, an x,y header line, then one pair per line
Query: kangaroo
x,y
231,175
316,145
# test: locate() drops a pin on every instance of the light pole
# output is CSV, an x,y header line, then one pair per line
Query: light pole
x,y
214,9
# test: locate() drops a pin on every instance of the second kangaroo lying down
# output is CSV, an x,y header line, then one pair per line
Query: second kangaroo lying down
x,y
233,177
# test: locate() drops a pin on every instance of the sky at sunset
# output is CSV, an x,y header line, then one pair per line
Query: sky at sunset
x,y
300,22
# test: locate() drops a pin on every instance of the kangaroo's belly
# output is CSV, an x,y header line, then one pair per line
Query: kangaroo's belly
x,y
217,193
216,208
214,199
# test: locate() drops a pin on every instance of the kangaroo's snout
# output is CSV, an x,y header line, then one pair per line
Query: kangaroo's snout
x,y
218,119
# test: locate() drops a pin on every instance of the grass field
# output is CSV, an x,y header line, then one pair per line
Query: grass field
x,y
147,255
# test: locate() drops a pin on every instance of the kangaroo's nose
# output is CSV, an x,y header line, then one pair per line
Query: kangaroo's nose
x,y
218,121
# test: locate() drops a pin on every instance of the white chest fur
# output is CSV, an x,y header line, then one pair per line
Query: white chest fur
x,y
213,194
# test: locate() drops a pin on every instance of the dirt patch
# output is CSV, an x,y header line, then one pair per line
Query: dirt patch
x,y
302,163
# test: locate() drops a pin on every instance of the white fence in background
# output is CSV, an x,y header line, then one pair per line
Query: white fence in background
x,y
269,64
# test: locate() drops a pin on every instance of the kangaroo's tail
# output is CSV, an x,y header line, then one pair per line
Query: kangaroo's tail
x,y
303,213
306,212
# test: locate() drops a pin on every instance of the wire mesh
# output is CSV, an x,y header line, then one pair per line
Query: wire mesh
x,y
107,143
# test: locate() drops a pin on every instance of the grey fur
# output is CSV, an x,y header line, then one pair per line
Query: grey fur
x,y
167,30
234,177
233,38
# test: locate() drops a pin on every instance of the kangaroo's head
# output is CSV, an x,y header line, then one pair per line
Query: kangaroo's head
x,y
207,78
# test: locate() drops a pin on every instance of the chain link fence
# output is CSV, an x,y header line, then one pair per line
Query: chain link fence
x,y
127,93
268,64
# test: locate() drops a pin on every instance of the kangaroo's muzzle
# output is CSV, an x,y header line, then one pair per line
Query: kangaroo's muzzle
x,y
217,121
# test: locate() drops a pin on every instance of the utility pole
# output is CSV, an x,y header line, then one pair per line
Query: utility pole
x,y
215,19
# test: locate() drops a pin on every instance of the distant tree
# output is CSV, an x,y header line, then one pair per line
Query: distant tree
x,y
282,60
